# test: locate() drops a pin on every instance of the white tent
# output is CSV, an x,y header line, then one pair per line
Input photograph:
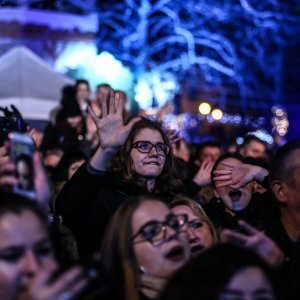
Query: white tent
x,y
27,82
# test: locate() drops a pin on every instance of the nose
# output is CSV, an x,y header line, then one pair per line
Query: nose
x,y
192,237
31,263
170,233
153,152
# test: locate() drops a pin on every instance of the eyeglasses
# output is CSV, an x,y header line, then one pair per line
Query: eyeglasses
x,y
146,147
154,232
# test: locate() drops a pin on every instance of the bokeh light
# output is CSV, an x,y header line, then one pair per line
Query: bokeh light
x,y
204,108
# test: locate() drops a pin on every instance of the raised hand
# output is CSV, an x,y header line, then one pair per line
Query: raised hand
x,y
257,241
110,126
203,176
238,175
7,170
65,287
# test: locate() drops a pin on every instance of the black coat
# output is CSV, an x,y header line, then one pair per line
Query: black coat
x,y
87,202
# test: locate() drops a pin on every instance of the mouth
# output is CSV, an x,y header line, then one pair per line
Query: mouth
x,y
175,254
235,195
153,163
196,250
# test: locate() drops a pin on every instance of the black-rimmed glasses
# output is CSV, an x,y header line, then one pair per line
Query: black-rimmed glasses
x,y
154,232
146,147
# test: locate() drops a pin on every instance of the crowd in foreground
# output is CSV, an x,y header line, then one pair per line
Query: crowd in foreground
x,y
125,209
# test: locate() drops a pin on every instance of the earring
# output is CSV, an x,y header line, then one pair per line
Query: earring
x,y
142,270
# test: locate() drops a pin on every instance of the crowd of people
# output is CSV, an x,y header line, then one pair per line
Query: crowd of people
x,y
126,209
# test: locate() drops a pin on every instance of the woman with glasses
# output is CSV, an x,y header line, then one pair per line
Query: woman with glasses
x,y
131,160
200,231
144,245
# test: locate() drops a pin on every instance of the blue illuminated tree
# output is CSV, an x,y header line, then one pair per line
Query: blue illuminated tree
x,y
239,45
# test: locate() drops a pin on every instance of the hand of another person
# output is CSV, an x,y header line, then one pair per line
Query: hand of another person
x,y
151,286
65,287
37,136
257,241
42,184
8,177
203,176
7,170
238,175
173,136
110,127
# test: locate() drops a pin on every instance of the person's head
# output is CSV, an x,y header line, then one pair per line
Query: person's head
x,y
82,90
252,147
144,236
52,156
25,245
146,155
208,151
223,272
70,112
200,231
285,176
68,165
101,89
24,171
234,199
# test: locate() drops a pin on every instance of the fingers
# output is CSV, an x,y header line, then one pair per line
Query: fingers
x,y
92,114
248,228
104,104
7,175
72,281
111,101
234,237
120,102
131,123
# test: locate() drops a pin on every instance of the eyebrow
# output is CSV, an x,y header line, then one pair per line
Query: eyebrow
x,y
19,247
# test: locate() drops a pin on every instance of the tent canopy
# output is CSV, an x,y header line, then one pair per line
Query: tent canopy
x,y
29,83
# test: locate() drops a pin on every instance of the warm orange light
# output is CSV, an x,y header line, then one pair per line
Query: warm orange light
x,y
217,114
204,108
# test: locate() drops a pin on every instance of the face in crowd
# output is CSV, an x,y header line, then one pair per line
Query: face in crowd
x,y
209,153
199,230
82,92
249,283
234,199
159,243
25,249
253,148
148,153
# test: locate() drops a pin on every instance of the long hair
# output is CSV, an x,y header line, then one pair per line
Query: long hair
x,y
122,164
181,199
117,249
206,276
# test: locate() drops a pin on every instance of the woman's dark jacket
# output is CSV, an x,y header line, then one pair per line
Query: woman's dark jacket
x,y
87,202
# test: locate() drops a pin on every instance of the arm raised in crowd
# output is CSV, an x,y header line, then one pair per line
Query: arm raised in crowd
x,y
111,129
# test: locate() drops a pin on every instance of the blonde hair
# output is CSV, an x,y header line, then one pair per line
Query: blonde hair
x,y
181,199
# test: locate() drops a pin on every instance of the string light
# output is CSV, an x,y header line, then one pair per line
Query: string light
x,y
280,121
204,108
217,114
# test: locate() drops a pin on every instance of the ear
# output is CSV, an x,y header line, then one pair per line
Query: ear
x,y
279,191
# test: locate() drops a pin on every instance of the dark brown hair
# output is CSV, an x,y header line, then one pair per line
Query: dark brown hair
x,y
122,163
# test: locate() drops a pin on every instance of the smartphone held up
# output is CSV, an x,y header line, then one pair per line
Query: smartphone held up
x,y
22,148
